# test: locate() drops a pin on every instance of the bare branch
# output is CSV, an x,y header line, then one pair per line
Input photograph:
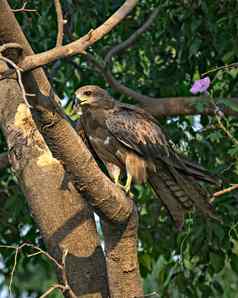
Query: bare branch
x,y
224,191
172,106
80,45
167,106
226,131
24,9
64,287
51,289
17,250
10,45
60,22
130,41
221,68
65,217
18,71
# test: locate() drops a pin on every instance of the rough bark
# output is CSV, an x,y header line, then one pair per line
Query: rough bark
x,y
63,216
121,208
107,199
121,256
37,82
121,252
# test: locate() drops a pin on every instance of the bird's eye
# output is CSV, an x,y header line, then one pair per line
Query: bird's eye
x,y
87,93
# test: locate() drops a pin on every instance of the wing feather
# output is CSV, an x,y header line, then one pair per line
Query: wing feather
x,y
138,132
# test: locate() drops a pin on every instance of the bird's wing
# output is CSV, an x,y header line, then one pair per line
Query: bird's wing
x,y
138,132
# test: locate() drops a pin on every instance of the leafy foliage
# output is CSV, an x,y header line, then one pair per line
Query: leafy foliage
x,y
202,259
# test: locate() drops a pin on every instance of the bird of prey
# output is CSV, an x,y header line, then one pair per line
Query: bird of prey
x,y
127,138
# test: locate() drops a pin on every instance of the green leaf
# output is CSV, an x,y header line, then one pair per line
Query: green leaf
x,y
233,151
217,261
234,263
215,136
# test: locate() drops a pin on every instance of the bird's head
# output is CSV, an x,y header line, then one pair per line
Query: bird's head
x,y
91,96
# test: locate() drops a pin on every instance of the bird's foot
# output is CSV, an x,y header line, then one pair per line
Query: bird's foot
x,y
127,187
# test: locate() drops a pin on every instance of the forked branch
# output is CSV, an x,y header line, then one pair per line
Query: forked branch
x,y
170,106
24,9
131,40
79,46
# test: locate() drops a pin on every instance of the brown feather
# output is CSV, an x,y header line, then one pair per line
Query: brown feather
x,y
137,144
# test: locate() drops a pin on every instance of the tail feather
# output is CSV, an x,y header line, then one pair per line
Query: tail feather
x,y
199,172
188,167
179,192
175,209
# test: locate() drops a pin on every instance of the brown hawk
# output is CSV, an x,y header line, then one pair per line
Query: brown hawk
x,y
127,138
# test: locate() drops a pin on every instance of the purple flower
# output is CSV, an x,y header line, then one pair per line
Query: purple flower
x,y
200,86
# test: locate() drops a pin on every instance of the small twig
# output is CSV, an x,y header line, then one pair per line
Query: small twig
x,y
64,276
64,287
19,78
149,295
226,131
24,9
220,68
10,45
223,191
34,247
51,289
218,115
130,41
64,257
13,269
80,45
60,22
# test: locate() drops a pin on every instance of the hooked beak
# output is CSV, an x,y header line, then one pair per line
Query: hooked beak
x,y
77,104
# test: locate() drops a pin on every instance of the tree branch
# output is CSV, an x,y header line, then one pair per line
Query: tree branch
x,y
167,106
60,22
90,181
121,256
121,252
78,160
24,9
79,46
130,41
172,106
65,217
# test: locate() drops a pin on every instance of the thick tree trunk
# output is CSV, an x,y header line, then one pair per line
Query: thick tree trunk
x,y
121,256
102,194
65,221
63,216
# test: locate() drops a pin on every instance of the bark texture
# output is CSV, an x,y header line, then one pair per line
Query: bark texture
x,y
121,256
110,202
63,216
64,223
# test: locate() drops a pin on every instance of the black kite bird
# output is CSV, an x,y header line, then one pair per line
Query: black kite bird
x,y
127,138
